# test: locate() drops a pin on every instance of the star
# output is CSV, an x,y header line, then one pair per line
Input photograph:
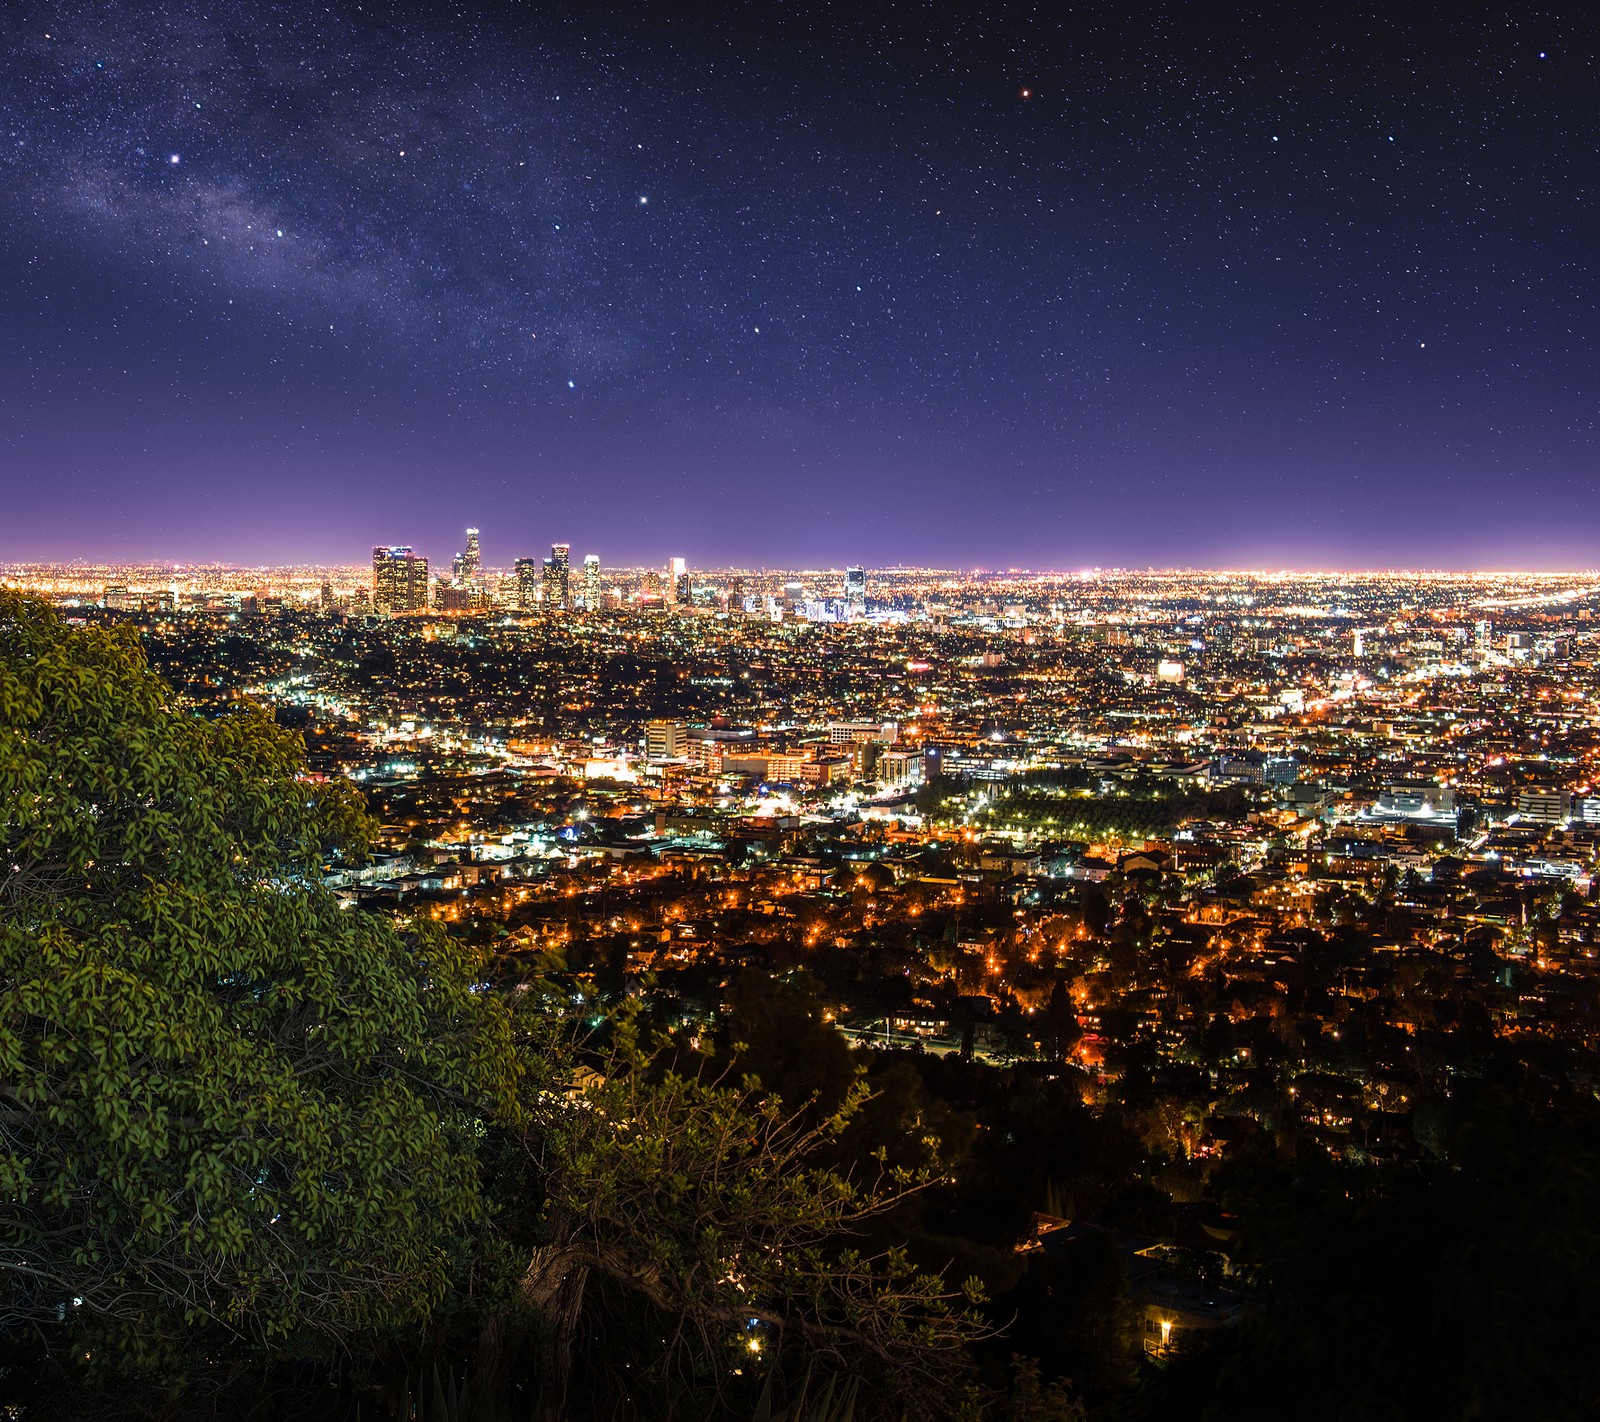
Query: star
x,y
174,159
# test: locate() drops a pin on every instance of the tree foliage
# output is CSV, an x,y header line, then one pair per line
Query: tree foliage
x,y
713,1209
222,1099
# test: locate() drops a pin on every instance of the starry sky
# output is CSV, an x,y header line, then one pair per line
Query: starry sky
x,y
1005,285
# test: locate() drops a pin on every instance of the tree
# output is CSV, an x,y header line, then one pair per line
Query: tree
x,y
1073,1313
775,1031
223,1100
706,1215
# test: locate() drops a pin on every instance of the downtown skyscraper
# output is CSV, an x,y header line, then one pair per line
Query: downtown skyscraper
x,y
399,579
557,578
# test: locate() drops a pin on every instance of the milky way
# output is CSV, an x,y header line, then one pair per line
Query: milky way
x,y
1094,285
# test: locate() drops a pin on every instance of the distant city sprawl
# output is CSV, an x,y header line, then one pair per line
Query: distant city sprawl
x,y
1244,866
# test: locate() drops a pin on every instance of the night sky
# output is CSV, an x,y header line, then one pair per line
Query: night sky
x,y
1039,286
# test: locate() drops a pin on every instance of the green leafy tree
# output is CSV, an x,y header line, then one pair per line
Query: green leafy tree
x,y
223,1100
698,1227
1033,1399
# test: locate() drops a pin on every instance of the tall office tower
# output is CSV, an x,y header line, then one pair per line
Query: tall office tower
x,y
855,592
325,596
680,582
560,565
665,740
591,582
466,565
399,580
735,594
527,573
650,586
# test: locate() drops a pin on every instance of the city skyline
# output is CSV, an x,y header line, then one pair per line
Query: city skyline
x,y
1170,288
441,561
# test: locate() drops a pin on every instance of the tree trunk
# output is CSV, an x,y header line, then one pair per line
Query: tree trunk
x,y
553,1285
490,1364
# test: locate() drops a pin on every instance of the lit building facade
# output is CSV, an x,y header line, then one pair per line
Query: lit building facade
x,y
399,580
558,578
665,740
527,573
468,563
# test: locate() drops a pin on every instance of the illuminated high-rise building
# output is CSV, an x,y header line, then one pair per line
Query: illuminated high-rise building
x,y
468,563
527,574
665,740
399,580
680,582
451,596
591,582
557,578
855,585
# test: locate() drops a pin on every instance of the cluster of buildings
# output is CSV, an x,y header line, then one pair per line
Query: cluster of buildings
x,y
401,586
1260,861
